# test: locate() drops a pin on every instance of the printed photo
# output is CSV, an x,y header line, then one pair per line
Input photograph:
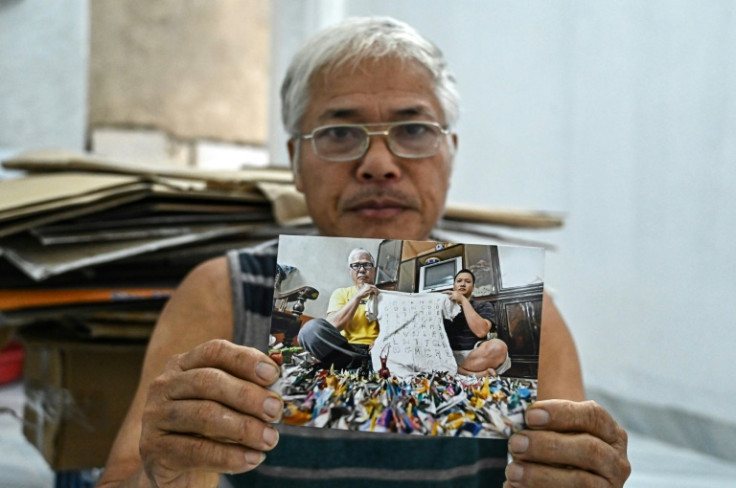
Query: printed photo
x,y
407,337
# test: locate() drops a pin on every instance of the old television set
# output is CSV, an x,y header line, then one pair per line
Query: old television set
x,y
439,276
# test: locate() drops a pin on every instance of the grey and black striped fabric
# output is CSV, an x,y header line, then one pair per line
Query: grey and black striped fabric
x,y
306,457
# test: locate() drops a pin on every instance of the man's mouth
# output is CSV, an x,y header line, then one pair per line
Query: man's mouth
x,y
378,208
379,203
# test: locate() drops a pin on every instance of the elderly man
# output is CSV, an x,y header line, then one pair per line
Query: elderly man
x,y
370,107
343,339
468,332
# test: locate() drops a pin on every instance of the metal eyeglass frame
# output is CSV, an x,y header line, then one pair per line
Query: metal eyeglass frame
x,y
444,131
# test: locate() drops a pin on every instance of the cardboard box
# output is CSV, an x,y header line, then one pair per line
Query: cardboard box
x,y
77,396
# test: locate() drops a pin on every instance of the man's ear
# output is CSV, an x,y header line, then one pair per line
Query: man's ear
x,y
454,145
453,141
293,149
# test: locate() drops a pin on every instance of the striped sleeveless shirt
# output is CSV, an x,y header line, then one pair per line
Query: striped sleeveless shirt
x,y
330,458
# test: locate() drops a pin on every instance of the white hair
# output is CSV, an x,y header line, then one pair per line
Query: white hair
x,y
357,252
353,41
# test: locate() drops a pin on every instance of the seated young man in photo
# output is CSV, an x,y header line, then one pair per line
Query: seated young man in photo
x,y
468,332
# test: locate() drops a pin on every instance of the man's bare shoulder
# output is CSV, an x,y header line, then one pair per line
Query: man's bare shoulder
x,y
212,273
202,304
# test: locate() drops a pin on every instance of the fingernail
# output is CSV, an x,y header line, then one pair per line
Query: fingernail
x,y
270,436
267,372
537,417
514,472
518,444
272,407
254,458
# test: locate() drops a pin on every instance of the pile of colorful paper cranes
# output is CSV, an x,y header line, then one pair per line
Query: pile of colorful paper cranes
x,y
437,404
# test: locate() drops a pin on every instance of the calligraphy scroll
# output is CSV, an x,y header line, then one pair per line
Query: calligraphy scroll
x,y
412,333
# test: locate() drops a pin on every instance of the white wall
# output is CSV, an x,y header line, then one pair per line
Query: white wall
x,y
43,73
622,115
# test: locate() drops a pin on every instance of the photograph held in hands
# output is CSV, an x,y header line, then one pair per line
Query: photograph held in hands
x,y
407,337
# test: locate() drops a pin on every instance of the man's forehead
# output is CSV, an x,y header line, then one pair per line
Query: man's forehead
x,y
361,258
383,90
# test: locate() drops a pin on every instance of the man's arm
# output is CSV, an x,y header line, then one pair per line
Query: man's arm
x,y
568,442
479,325
199,406
341,318
559,366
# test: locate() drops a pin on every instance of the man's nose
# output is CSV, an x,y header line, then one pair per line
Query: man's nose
x,y
379,164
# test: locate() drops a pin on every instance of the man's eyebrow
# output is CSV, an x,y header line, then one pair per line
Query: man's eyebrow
x,y
338,113
353,114
413,111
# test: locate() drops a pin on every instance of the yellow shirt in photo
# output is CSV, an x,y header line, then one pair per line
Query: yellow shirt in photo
x,y
360,330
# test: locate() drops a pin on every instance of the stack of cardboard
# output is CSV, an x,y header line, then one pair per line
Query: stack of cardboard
x,y
90,249
89,252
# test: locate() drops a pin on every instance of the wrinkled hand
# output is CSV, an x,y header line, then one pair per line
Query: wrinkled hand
x,y
209,412
568,444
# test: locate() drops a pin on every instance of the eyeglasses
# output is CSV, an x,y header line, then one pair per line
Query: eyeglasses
x,y
365,266
347,142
